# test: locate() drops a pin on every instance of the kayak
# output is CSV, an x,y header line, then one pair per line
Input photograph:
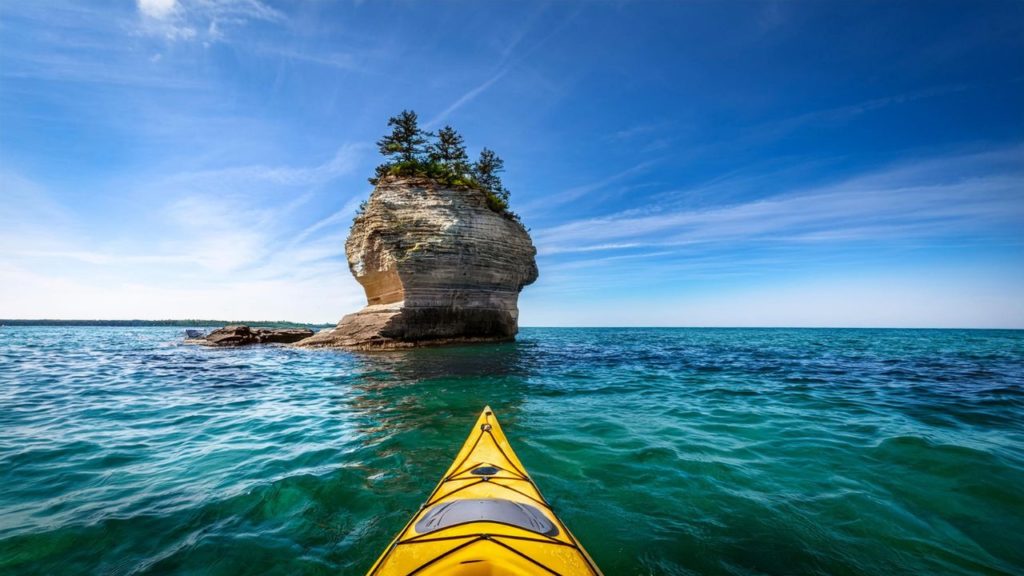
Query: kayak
x,y
485,518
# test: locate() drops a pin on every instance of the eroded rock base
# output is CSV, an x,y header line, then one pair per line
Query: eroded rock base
x,y
395,326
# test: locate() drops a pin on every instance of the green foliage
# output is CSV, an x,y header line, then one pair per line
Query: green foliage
x,y
450,152
444,160
406,141
486,170
496,203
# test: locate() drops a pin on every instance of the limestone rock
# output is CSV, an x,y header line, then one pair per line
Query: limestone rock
x,y
438,266
244,335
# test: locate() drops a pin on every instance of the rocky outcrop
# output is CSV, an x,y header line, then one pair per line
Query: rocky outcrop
x,y
438,266
244,335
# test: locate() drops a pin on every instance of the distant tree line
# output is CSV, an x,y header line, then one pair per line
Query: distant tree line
x,y
411,151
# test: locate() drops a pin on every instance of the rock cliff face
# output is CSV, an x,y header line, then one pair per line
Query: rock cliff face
x,y
438,266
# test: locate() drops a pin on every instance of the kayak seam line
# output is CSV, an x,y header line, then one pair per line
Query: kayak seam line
x,y
576,545
420,539
464,470
471,468
590,562
490,477
463,461
550,540
541,501
518,553
510,461
459,489
447,553
398,538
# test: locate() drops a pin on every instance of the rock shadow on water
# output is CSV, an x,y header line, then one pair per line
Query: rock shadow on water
x,y
413,387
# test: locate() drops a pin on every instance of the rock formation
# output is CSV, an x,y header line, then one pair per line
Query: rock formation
x,y
438,266
244,335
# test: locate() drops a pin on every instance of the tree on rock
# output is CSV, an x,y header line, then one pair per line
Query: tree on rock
x,y
485,172
450,152
410,151
406,141
487,168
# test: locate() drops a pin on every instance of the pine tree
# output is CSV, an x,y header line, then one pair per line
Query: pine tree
x,y
409,153
450,151
485,172
406,141
486,169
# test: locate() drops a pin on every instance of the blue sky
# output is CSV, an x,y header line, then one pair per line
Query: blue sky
x,y
847,163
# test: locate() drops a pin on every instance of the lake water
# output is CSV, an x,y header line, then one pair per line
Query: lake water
x,y
666,451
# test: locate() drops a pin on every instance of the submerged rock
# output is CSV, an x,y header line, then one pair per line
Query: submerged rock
x,y
438,266
244,335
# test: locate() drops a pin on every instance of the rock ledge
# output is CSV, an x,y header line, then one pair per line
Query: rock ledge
x,y
244,335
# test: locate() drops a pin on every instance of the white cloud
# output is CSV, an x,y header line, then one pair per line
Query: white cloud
x,y
156,8
213,32
206,252
200,19
320,299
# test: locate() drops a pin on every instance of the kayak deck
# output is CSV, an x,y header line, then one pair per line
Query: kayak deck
x,y
485,518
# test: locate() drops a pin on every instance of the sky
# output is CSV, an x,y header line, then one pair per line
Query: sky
x,y
688,163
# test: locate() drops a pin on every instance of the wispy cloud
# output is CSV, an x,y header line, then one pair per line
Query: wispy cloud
x,y
577,192
465,99
337,220
206,239
844,113
200,19
345,159
80,43
726,142
96,69
511,56
638,130
338,60
157,8
919,199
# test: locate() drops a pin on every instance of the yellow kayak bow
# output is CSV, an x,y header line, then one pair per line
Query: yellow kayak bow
x,y
485,518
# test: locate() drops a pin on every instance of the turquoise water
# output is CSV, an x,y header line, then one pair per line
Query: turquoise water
x,y
667,451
